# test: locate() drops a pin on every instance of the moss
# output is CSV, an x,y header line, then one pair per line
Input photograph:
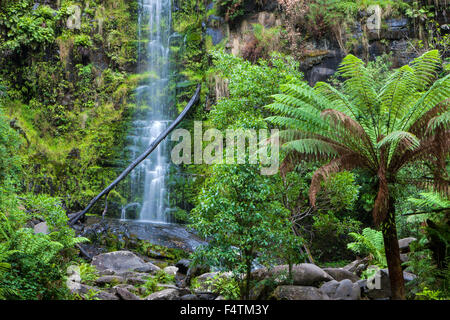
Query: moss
x,y
73,110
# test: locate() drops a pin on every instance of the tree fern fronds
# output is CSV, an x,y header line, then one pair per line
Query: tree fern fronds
x,y
359,85
307,94
291,123
440,122
426,68
420,126
311,146
409,140
431,200
437,94
394,95
337,100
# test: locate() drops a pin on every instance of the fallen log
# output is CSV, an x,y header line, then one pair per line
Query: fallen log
x,y
136,162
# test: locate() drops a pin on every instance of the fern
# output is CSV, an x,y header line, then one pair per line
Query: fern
x,y
370,242
431,200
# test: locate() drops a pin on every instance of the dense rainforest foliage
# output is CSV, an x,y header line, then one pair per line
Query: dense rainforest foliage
x,y
363,124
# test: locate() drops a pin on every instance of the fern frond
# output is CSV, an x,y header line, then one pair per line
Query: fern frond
x,y
338,100
394,96
425,68
440,122
407,138
360,87
311,146
438,93
431,200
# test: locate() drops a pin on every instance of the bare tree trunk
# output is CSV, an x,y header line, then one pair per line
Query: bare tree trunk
x,y
392,252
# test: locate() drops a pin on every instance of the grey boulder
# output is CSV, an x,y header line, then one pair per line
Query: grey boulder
x,y
340,274
167,294
122,261
304,274
342,290
299,293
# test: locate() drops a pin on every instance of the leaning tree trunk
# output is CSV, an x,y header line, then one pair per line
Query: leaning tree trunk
x,y
392,251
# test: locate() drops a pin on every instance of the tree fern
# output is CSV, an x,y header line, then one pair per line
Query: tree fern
x,y
378,130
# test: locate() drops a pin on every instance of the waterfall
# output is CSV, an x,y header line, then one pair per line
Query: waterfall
x,y
148,187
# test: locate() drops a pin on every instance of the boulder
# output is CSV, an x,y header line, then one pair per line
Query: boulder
x,y
103,295
148,268
124,294
379,286
357,266
193,272
106,272
404,244
122,261
299,293
189,297
41,228
167,294
340,274
304,274
171,270
136,280
183,266
206,281
73,273
342,290
108,280
404,257
83,289
207,296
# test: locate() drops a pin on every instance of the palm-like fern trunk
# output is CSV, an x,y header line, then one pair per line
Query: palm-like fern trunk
x,y
392,252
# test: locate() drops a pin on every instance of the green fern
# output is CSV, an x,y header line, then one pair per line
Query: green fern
x,y
371,243
431,200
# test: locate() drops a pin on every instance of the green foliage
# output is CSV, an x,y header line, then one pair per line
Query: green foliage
x,y
361,127
331,236
241,222
428,294
371,243
24,28
49,209
341,190
88,273
151,285
83,40
227,287
90,295
430,201
163,277
250,86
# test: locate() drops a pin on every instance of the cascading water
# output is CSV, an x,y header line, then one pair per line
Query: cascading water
x,y
148,189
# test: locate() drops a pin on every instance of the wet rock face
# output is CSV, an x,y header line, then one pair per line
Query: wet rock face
x,y
168,235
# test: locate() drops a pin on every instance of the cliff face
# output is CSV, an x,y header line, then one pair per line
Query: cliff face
x,y
320,40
